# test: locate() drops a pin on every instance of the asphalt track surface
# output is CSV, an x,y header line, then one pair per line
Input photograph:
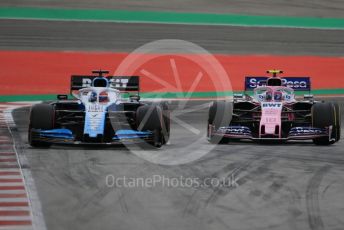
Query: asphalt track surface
x,y
125,37
300,8
279,186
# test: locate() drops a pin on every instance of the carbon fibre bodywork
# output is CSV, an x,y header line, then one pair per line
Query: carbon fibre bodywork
x,y
295,123
100,114
69,125
274,113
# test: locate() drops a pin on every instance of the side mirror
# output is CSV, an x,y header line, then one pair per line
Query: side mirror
x,y
134,98
62,97
309,97
238,96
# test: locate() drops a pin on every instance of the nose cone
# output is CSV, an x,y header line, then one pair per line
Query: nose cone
x,y
270,121
270,128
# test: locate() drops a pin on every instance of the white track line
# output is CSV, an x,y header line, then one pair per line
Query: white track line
x,y
38,222
176,23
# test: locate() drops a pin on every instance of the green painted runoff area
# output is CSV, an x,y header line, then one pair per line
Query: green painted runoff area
x,y
169,95
168,17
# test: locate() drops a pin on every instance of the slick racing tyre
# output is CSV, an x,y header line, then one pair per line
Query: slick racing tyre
x,y
324,115
151,118
167,122
41,117
220,114
338,120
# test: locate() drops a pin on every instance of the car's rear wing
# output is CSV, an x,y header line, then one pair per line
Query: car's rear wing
x,y
121,83
296,83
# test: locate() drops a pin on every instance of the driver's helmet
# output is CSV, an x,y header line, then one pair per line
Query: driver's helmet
x,y
92,97
104,97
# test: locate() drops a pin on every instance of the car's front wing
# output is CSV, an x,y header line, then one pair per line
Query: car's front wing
x,y
296,133
66,136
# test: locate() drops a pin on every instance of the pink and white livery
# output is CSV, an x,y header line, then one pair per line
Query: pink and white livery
x,y
274,113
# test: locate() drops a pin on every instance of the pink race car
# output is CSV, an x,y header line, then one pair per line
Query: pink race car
x,y
273,113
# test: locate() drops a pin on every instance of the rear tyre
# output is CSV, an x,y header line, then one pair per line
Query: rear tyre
x,y
150,118
158,139
167,122
338,120
324,115
220,114
41,117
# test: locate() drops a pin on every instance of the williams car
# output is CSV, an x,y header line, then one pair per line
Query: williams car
x,y
104,110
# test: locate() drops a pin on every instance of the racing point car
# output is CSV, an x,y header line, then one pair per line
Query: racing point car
x,y
104,111
273,113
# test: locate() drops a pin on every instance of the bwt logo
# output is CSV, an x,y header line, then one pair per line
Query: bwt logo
x,y
272,105
114,82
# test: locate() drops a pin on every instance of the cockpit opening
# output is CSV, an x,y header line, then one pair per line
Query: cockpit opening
x,y
100,82
274,81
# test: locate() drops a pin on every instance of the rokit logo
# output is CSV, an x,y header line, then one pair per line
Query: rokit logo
x,y
114,82
119,82
86,82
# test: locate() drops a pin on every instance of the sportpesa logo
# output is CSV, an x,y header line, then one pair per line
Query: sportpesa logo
x,y
292,83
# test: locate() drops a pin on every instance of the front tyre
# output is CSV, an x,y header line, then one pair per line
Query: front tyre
x,y
220,115
150,118
323,116
41,117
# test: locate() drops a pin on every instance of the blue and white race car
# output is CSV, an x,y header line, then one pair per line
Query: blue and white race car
x,y
104,111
